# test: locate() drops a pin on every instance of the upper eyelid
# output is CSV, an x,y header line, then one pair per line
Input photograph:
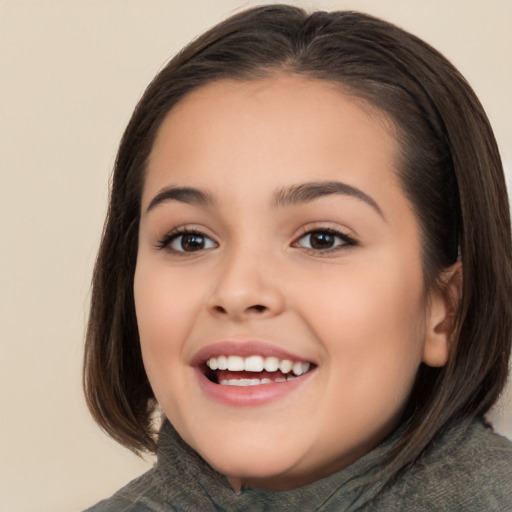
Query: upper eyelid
x,y
165,240
332,227
310,227
350,239
335,232
189,228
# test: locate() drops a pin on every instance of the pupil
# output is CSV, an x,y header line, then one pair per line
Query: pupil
x,y
321,240
192,242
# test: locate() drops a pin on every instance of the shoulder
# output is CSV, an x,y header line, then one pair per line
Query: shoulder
x,y
140,495
468,468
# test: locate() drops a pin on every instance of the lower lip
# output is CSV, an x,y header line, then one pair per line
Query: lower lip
x,y
247,396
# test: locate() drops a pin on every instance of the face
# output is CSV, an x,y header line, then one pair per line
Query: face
x,y
278,289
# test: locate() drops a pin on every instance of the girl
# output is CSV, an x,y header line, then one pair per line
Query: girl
x,y
307,265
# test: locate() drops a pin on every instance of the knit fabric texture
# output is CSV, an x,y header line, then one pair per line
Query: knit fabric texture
x,y
468,469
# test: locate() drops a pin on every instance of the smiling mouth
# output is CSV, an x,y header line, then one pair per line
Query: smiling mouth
x,y
254,370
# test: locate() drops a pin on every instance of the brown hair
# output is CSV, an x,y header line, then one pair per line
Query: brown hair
x,y
449,167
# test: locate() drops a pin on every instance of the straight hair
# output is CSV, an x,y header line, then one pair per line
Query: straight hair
x,y
449,167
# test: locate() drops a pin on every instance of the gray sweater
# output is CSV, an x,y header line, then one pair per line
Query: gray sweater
x,y
468,469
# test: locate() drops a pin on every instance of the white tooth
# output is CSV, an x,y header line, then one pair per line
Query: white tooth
x,y
291,377
222,363
271,364
298,369
246,382
243,382
235,364
224,382
280,379
285,365
254,364
212,363
266,381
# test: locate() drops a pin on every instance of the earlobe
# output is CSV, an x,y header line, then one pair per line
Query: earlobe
x,y
443,316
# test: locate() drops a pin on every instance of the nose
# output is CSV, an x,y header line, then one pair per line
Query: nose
x,y
246,288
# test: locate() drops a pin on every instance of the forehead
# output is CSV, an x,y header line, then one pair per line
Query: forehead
x,y
296,128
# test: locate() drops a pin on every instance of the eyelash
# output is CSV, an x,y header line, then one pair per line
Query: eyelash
x,y
345,241
171,237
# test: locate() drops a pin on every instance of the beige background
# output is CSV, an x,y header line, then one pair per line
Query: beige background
x,y
70,74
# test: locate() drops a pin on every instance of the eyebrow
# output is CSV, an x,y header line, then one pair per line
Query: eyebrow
x,y
188,195
306,192
294,195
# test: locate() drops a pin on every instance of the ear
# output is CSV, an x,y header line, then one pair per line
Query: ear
x,y
442,316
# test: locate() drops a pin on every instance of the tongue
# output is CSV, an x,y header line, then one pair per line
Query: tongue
x,y
226,375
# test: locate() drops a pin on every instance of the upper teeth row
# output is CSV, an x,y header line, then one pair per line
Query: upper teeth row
x,y
256,364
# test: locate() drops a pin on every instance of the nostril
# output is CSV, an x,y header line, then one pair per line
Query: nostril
x,y
238,310
257,308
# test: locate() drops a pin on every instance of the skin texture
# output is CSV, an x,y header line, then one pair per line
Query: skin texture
x,y
358,311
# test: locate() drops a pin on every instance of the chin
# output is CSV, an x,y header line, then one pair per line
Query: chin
x,y
281,475
252,465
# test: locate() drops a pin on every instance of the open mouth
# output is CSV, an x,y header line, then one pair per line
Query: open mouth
x,y
253,370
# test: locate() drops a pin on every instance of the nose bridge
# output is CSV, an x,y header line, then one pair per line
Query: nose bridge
x,y
245,283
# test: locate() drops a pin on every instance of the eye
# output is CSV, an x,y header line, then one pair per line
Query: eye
x,y
324,240
187,241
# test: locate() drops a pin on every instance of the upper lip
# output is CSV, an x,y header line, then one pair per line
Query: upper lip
x,y
243,349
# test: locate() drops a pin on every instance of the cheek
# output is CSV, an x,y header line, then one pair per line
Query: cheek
x,y
163,309
371,321
164,300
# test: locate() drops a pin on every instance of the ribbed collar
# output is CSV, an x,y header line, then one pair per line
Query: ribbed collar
x,y
188,483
